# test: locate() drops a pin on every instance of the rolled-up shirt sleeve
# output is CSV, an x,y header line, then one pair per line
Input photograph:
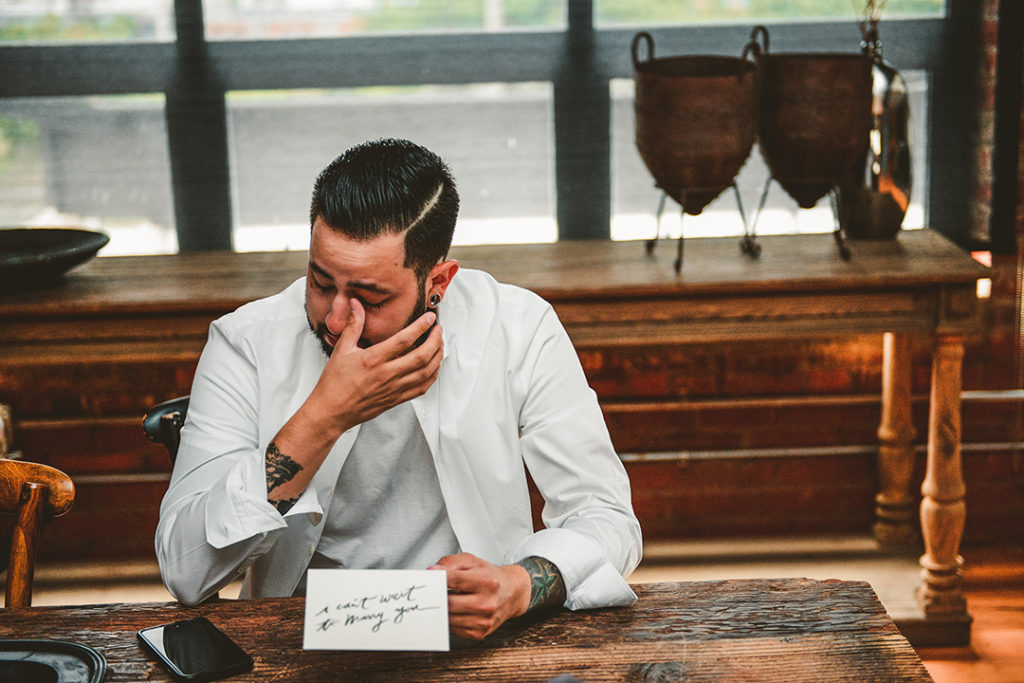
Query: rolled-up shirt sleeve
x,y
215,519
591,534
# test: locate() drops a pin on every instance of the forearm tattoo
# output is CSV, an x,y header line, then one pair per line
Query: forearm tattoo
x,y
280,470
547,589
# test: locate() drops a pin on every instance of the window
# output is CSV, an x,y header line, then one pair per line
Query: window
x,y
547,84
277,19
74,21
501,156
631,13
96,162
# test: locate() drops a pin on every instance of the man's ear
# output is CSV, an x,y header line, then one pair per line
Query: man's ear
x,y
440,276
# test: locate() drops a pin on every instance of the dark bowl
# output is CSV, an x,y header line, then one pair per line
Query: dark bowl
x,y
38,257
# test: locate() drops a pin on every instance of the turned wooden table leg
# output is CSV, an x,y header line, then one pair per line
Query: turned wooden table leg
x,y
943,510
896,522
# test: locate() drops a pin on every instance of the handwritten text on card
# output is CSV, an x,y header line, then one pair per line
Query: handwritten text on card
x,y
350,609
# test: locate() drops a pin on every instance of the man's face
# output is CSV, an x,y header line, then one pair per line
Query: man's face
x,y
341,269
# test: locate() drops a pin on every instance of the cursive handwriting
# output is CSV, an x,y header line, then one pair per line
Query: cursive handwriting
x,y
377,618
367,610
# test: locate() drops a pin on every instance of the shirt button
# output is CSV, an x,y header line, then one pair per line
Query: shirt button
x,y
311,549
314,518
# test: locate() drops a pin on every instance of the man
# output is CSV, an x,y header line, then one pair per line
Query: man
x,y
398,435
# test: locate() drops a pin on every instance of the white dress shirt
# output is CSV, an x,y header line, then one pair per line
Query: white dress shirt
x,y
388,511
511,396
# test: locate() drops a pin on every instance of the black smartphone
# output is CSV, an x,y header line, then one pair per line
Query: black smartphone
x,y
196,650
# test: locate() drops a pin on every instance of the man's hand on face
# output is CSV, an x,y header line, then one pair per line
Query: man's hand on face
x,y
483,596
359,384
356,385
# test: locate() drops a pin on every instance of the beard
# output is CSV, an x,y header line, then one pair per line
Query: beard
x,y
320,329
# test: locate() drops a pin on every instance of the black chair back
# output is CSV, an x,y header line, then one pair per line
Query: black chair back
x,y
163,423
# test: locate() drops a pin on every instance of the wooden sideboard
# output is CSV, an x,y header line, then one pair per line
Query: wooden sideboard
x,y
80,362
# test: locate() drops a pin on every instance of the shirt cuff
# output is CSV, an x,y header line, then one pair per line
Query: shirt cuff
x,y
237,508
590,579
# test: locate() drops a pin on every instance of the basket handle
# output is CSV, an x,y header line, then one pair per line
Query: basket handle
x,y
754,46
646,37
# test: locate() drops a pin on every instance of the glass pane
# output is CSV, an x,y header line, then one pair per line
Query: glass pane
x,y
80,21
631,12
272,19
497,138
90,162
635,199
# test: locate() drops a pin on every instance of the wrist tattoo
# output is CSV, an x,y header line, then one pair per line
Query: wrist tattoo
x,y
284,505
280,470
547,589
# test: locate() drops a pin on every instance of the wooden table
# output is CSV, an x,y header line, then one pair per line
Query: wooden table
x,y
142,309
753,630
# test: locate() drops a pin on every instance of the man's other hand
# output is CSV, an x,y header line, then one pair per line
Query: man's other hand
x,y
483,596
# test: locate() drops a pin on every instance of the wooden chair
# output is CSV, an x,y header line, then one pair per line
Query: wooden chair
x,y
163,422
35,493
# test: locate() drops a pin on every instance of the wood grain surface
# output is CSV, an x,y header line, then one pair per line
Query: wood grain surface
x,y
604,292
560,271
744,630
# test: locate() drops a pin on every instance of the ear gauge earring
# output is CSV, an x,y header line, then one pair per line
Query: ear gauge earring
x,y
435,299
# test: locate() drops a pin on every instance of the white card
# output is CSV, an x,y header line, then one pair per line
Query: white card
x,y
376,609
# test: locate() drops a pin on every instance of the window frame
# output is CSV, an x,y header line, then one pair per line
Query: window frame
x,y
194,74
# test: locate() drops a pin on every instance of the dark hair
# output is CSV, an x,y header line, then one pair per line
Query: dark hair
x,y
390,186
